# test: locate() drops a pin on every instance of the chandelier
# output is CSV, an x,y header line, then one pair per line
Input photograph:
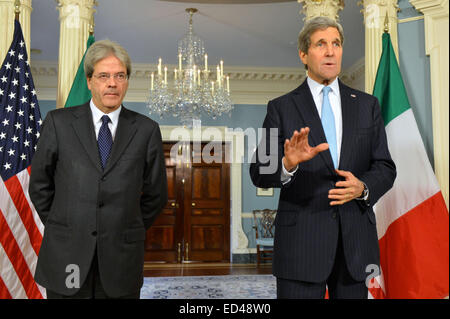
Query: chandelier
x,y
195,89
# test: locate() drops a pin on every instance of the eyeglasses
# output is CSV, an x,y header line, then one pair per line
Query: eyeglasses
x,y
104,77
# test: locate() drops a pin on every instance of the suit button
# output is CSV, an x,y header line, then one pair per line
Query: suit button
x,y
103,178
334,215
94,233
100,204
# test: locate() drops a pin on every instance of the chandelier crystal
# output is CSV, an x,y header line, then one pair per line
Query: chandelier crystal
x,y
195,90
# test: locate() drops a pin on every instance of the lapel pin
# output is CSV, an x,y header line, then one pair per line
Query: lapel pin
x,y
353,95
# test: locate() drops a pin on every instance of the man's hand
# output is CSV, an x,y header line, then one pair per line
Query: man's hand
x,y
348,190
298,150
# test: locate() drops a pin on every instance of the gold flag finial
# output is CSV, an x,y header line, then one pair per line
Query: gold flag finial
x,y
91,25
386,23
17,8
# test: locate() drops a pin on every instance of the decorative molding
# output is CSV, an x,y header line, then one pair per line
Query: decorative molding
x,y
239,241
324,8
439,6
410,19
354,75
249,85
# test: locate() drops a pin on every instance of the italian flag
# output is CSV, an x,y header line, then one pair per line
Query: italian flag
x,y
79,92
412,218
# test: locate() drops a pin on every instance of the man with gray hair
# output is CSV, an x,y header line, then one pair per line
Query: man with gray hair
x,y
98,181
333,166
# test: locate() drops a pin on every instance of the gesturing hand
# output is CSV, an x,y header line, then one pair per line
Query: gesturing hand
x,y
348,190
298,150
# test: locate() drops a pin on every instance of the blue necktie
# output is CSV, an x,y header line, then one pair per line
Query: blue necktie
x,y
329,126
104,140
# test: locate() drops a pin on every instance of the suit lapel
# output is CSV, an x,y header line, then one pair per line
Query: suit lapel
x,y
126,129
308,111
349,107
84,129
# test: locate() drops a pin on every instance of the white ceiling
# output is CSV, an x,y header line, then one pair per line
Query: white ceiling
x,y
243,33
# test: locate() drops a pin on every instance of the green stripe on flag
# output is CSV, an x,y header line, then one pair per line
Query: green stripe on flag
x,y
79,93
389,87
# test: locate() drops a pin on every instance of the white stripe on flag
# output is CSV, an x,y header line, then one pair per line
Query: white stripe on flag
x,y
16,226
24,179
9,276
22,238
415,180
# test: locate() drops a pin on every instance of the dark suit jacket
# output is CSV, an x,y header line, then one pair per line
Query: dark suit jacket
x,y
84,207
307,228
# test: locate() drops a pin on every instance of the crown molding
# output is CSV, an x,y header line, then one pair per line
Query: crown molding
x,y
423,5
352,75
248,85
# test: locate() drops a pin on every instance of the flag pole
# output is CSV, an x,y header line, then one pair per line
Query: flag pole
x,y
17,9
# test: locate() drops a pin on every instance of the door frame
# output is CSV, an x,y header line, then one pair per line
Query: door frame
x,y
235,138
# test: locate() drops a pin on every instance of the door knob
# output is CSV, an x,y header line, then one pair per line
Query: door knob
x,y
193,204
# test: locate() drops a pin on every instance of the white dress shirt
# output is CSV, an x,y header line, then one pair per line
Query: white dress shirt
x,y
334,97
97,118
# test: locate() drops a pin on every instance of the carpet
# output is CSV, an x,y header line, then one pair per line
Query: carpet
x,y
210,287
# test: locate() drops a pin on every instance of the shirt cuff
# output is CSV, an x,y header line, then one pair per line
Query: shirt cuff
x,y
286,175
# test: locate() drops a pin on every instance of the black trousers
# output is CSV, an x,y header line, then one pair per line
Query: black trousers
x,y
340,283
92,287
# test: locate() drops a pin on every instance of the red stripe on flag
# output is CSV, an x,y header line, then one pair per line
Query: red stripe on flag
x,y
23,208
14,254
376,291
4,292
414,252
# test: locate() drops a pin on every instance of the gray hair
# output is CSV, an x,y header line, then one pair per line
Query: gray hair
x,y
103,49
314,24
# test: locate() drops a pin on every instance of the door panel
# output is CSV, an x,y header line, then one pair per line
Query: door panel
x,y
195,224
163,237
207,212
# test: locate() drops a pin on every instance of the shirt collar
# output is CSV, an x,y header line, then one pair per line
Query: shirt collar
x,y
97,114
316,88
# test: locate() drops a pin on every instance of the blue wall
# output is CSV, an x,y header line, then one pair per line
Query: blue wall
x,y
415,68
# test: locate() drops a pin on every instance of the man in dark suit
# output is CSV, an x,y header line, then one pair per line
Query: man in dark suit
x,y
98,181
333,164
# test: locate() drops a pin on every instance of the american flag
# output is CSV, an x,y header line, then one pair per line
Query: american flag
x,y
20,227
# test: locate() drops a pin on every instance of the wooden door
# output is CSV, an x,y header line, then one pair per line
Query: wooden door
x,y
166,234
207,206
195,224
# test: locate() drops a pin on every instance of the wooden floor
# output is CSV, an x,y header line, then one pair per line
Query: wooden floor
x,y
204,269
